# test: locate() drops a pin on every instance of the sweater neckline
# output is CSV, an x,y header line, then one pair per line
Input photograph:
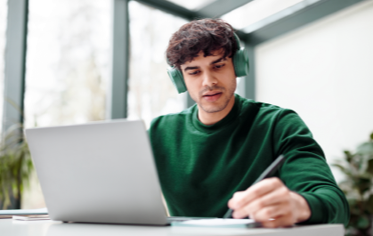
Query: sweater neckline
x,y
233,114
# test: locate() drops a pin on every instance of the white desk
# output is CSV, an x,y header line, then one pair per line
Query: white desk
x,y
9,227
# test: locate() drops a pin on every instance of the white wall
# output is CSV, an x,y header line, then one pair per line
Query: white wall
x,y
324,72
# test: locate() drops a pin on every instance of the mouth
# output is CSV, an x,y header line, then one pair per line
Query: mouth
x,y
212,96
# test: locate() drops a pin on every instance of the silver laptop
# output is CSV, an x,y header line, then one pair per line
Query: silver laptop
x,y
102,172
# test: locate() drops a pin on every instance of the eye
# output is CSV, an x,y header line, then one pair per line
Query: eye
x,y
196,72
219,66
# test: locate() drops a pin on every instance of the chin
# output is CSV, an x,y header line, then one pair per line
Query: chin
x,y
213,108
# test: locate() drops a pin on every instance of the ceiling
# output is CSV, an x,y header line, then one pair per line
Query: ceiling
x,y
256,21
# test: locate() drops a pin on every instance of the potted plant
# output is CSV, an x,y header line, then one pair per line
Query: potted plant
x,y
358,187
15,167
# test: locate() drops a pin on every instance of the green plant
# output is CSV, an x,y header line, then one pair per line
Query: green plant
x,y
15,166
358,187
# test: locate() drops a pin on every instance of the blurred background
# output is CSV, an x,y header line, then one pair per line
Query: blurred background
x,y
76,61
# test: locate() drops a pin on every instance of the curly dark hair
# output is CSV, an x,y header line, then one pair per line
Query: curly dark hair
x,y
207,35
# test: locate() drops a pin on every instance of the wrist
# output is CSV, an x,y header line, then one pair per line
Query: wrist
x,y
303,210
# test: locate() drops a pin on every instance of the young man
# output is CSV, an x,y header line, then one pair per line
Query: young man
x,y
209,155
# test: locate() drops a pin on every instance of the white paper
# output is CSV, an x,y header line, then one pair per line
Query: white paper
x,y
40,211
30,217
217,222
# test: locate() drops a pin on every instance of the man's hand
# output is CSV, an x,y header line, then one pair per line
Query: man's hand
x,y
270,199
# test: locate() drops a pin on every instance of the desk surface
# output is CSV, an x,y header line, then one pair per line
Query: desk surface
x,y
9,227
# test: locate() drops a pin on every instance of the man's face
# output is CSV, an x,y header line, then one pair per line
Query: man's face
x,y
211,81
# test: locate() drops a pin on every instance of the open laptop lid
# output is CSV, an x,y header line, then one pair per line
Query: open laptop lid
x,y
99,172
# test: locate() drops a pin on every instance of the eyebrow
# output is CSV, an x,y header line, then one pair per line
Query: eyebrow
x,y
196,67
218,60
191,68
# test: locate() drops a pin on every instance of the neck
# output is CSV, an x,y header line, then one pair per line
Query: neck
x,y
210,118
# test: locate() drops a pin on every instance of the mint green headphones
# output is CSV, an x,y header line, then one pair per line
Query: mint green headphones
x,y
240,63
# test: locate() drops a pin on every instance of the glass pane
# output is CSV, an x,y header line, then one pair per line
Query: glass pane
x,y
255,11
151,92
3,22
67,67
68,56
192,4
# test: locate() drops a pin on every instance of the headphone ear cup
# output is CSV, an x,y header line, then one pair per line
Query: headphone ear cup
x,y
241,63
177,78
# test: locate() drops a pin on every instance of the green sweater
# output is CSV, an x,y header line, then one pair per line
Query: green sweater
x,y
200,166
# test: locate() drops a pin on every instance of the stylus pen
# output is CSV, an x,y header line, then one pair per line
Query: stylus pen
x,y
267,173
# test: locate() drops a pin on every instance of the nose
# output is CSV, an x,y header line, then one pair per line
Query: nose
x,y
209,79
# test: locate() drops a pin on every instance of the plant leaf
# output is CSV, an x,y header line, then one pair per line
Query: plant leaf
x,y
365,148
342,168
348,156
15,165
370,166
363,222
369,204
363,185
345,170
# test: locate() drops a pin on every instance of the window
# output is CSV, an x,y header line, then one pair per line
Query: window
x,y
192,4
151,93
68,55
67,67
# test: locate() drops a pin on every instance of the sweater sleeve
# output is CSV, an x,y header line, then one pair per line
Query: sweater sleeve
x,y
306,172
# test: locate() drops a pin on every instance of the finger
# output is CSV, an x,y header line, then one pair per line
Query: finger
x,y
236,198
241,199
283,221
253,208
278,196
271,212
